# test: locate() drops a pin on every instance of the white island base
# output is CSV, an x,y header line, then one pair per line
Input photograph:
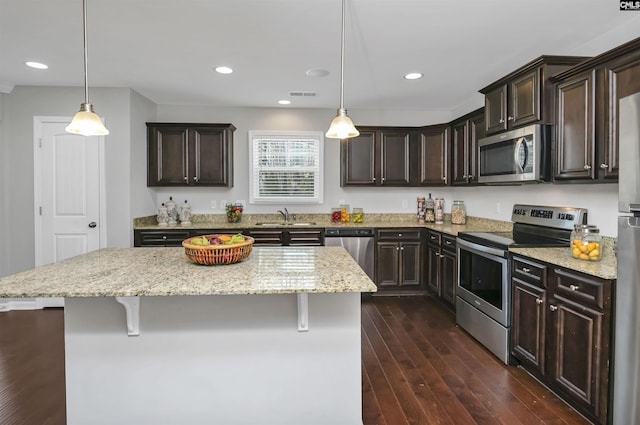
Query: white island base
x,y
215,359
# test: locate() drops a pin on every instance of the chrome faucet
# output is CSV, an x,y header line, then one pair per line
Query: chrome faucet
x,y
285,215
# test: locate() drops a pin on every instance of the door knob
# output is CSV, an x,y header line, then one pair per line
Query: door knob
x,y
92,224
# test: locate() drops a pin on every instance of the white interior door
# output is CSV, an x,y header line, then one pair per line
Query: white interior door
x,y
69,194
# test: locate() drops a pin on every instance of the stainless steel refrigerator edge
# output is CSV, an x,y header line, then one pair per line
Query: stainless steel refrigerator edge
x,y
626,383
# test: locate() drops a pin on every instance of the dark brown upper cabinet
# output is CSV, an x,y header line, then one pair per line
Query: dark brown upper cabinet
x,y
465,133
525,96
432,163
181,154
587,114
379,156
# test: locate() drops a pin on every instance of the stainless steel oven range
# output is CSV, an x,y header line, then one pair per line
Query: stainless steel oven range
x,y
483,298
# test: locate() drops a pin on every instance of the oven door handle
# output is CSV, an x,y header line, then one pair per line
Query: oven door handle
x,y
469,246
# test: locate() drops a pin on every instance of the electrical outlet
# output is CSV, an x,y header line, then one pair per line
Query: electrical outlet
x,y
213,205
241,202
223,204
405,204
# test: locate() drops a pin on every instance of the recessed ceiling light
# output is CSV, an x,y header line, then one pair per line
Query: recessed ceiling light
x,y
413,76
224,70
317,73
284,102
36,65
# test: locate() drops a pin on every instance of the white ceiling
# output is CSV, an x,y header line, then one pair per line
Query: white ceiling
x,y
166,49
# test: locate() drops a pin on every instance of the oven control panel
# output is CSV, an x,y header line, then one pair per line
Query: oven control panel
x,y
558,217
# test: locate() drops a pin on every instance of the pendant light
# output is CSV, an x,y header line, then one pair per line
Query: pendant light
x,y
86,122
342,127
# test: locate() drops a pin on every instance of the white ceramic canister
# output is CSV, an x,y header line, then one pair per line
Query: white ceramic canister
x,y
185,214
172,210
163,216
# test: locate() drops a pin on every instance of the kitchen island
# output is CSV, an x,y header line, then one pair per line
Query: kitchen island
x,y
151,338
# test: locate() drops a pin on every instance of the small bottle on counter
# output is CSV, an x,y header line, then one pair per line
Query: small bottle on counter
x,y
439,210
430,210
421,209
458,213
586,242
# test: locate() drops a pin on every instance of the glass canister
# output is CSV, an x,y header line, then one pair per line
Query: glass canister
x,y
430,210
345,212
458,213
336,215
357,215
586,242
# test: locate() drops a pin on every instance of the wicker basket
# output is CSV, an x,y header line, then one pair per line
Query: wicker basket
x,y
212,255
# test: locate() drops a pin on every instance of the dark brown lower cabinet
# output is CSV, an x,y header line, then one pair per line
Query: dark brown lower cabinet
x,y
399,261
561,332
160,238
441,265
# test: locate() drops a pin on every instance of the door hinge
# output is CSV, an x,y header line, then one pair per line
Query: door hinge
x,y
40,142
40,210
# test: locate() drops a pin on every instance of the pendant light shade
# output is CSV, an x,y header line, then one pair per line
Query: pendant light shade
x,y
342,127
86,121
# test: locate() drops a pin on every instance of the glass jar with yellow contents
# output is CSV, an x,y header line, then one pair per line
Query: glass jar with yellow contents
x,y
586,242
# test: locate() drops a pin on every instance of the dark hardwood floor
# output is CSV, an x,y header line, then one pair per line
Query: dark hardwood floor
x,y
417,368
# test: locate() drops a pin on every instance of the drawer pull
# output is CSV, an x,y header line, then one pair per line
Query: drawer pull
x,y
526,269
539,301
447,242
164,238
574,287
553,308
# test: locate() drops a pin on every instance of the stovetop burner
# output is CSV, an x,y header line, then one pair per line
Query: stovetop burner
x,y
534,226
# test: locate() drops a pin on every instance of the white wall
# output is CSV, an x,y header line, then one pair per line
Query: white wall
x,y
4,223
142,199
20,106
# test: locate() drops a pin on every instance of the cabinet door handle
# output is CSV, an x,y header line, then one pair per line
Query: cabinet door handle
x,y
401,248
397,248
447,242
526,269
574,287
540,301
587,167
464,176
186,178
553,308
164,238
195,179
374,180
470,176
501,121
510,118
604,166
444,178
399,235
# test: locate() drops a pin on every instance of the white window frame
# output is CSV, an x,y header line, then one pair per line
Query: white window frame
x,y
254,196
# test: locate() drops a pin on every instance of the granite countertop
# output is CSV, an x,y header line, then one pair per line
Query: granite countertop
x,y
168,272
606,268
218,221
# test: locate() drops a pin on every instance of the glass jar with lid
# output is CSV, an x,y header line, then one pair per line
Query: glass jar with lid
x,y
458,213
430,210
586,242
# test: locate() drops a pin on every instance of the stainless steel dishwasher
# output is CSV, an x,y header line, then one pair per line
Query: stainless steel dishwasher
x,y
358,242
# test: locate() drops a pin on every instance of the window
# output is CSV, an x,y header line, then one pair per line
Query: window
x,y
286,167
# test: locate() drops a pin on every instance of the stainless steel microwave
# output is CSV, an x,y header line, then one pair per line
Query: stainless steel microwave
x,y
522,155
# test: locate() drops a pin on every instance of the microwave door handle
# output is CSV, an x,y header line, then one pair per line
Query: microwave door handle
x,y
516,158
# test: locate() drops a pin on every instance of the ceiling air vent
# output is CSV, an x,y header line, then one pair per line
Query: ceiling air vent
x,y
303,93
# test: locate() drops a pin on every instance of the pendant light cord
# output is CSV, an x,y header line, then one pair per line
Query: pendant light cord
x,y
84,33
342,59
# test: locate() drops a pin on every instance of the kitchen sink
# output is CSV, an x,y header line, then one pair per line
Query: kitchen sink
x,y
298,223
